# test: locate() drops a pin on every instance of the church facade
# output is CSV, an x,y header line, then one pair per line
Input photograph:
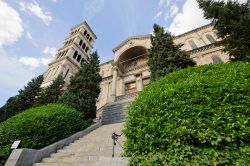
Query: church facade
x,y
128,73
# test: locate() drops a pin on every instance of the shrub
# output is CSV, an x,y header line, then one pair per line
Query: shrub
x,y
39,127
195,116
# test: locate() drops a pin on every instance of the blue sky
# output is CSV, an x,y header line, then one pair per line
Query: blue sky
x,y
32,30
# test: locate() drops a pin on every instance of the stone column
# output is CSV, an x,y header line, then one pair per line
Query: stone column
x,y
114,82
139,85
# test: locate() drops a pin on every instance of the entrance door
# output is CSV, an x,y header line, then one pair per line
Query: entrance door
x,y
130,88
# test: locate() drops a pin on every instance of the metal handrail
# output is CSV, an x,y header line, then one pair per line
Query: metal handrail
x,y
115,140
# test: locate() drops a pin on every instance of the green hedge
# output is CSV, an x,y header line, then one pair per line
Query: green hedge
x,y
195,116
39,127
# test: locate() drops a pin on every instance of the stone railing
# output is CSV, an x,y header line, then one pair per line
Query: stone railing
x,y
128,96
27,157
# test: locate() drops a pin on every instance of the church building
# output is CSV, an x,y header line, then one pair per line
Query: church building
x,y
128,73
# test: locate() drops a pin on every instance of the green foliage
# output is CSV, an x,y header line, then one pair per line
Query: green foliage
x,y
84,88
39,127
24,100
164,56
195,116
232,21
51,93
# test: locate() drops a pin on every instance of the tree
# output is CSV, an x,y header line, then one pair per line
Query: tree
x,y
84,87
52,93
24,100
231,20
164,56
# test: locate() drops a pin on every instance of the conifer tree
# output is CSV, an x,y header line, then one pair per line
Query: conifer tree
x,y
164,56
84,87
231,20
24,100
51,93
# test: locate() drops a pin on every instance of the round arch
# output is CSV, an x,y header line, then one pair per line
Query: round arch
x,y
130,57
131,52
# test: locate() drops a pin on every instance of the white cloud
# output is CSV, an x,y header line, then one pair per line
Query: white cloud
x,y
34,62
11,27
92,7
191,17
164,3
166,16
30,61
158,14
45,61
50,51
55,1
167,9
13,73
174,10
29,36
33,8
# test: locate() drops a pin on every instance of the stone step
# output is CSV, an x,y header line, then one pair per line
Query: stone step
x,y
115,112
69,157
89,150
96,148
112,121
89,161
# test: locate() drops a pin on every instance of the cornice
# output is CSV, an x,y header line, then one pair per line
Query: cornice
x,y
107,78
129,72
110,61
206,47
56,60
194,30
139,37
63,58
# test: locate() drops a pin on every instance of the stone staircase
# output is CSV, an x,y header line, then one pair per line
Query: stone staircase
x,y
115,112
94,149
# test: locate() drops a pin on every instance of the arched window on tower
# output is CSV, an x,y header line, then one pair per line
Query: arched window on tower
x,y
210,38
66,73
83,46
80,43
56,70
79,58
216,59
63,53
75,55
48,74
82,60
58,56
86,50
87,36
90,39
192,44
85,32
66,52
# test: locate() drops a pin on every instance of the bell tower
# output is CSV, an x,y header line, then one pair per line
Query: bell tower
x,y
76,47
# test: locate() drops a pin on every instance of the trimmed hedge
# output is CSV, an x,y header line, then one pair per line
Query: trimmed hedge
x,y
195,116
39,127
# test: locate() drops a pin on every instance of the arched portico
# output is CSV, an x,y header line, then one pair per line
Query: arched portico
x,y
130,60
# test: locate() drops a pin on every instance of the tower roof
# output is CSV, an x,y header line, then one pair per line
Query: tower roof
x,y
87,25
